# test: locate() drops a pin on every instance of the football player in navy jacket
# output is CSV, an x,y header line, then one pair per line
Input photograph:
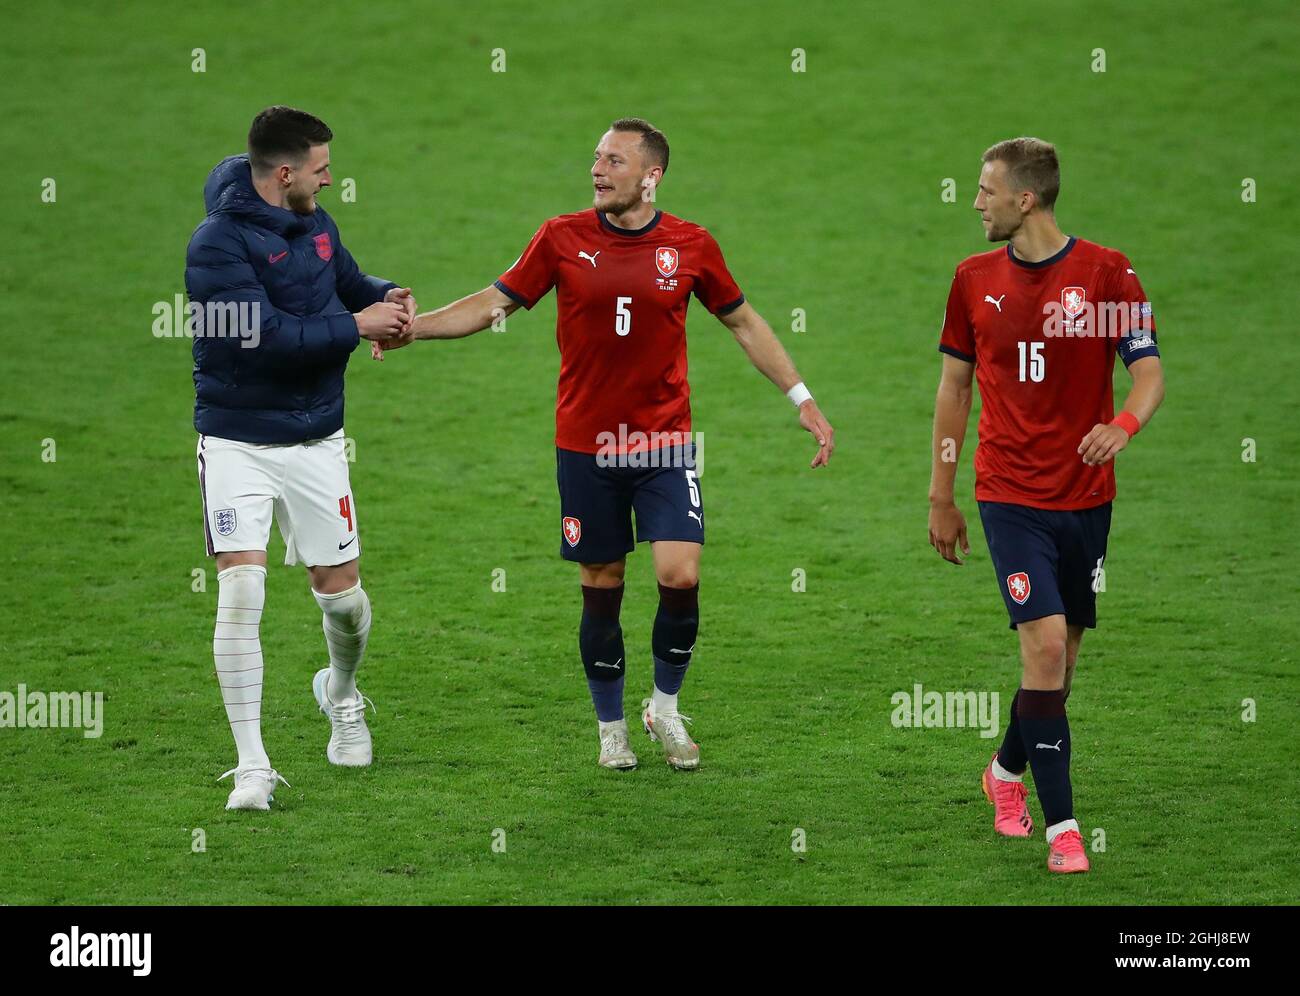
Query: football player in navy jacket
x,y
278,305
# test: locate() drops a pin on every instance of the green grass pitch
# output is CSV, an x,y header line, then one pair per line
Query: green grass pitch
x,y
824,189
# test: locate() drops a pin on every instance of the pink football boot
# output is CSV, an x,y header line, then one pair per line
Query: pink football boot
x,y
1066,853
1010,814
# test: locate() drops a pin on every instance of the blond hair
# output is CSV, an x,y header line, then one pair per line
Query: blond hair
x,y
1031,165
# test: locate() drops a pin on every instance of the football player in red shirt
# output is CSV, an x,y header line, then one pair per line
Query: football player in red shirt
x,y
623,274
1038,324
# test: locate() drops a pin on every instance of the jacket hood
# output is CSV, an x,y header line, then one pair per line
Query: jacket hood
x,y
229,190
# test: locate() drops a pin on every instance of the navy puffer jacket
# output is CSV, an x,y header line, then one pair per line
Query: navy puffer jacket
x,y
289,386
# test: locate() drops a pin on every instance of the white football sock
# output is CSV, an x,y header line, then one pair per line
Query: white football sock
x,y
237,652
665,704
1003,775
346,623
1061,827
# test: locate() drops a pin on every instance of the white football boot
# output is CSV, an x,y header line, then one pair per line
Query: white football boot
x,y
669,729
253,787
615,750
349,737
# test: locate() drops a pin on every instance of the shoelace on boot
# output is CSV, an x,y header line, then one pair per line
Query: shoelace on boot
x,y
349,715
614,743
1068,842
269,773
1009,792
674,729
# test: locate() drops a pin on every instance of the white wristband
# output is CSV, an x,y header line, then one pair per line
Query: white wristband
x,y
799,394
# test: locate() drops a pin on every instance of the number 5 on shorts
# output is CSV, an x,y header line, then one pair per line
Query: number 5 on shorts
x,y
694,488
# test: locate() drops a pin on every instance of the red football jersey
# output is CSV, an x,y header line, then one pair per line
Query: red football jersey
x,y
621,321
1043,338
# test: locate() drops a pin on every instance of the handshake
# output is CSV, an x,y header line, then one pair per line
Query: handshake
x,y
387,323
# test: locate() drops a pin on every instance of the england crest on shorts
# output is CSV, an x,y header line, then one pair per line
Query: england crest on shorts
x,y
1018,587
666,260
572,530
224,520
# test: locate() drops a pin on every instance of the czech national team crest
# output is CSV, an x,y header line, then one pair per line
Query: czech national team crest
x,y
1072,301
224,519
572,530
1018,587
666,260
324,247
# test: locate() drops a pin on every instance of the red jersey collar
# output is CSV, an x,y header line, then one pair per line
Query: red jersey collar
x,y
629,232
1065,251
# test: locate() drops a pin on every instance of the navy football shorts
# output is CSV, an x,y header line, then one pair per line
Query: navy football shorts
x,y
597,502
1048,562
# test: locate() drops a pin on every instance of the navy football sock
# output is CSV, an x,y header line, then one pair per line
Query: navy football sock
x,y
1011,755
600,639
1046,735
676,625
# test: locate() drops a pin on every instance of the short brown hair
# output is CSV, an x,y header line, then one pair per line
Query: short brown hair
x,y
1031,165
654,146
282,133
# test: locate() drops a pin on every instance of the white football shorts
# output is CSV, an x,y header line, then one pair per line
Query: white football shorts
x,y
304,484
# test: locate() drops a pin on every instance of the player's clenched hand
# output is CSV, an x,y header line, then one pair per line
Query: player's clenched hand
x,y
948,531
811,418
1102,443
378,347
402,296
382,320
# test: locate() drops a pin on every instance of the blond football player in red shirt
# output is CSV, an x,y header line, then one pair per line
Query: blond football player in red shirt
x,y
1039,324
624,272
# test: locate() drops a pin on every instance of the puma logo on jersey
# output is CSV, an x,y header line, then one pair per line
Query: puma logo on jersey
x,y
591,259
1056,746
996,303
695,517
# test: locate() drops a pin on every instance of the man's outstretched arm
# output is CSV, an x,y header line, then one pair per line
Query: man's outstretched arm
x,y
464,317
769,357
456,320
